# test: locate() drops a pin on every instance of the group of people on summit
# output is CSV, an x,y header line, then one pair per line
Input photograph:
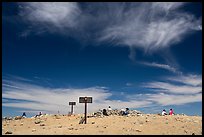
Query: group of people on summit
x,y
171,112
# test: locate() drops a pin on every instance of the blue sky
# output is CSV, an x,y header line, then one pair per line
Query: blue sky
x,y
145,56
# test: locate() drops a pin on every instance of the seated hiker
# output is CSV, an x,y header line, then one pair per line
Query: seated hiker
x,y
125,111
40,113
105,112
164,112
171,112
109,108
24,115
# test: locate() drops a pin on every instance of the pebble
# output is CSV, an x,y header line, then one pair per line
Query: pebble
x,y
92,122
42,124
21,124
147,120
8,132
37,122
138,130
59,126
57,117
70,128
33,130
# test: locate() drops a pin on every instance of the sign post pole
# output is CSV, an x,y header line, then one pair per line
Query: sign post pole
x,y
72,110
85,108
85,100
72,106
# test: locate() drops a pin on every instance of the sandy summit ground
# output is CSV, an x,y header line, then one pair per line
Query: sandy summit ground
x,y
146,124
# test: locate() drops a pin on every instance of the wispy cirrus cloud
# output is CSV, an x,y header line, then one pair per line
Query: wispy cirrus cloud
x,y
52,17
148,26
162,66
177,90
33,97
189,84
191,79
169,99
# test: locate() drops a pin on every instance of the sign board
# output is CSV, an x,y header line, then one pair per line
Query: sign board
x,y
85,99
72,103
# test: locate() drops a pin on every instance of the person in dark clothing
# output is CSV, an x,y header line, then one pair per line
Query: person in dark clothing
x,y
105,112
24,114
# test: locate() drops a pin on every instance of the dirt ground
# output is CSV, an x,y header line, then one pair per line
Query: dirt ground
x,y
147,124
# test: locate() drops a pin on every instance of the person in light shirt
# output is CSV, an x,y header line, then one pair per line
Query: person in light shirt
x,y
164,112
109,108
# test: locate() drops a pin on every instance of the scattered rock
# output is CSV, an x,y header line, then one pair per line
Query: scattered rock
x,y
70,128
17,117
147,120
33,130
42,124
8,132
117,112
138,130
92,122
37,122
21,124
57,117
59,126
193,133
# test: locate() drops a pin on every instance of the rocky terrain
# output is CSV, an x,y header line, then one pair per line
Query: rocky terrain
x,y
135,123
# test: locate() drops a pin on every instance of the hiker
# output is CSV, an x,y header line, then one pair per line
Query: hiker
x,y
164,112
24,115
171,112
125,111
105,112
40,113
109,108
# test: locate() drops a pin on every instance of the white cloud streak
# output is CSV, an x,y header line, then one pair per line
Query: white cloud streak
x,y
53,17
162,66
171,88
37,98
193,80
167,99
190,84
149,26
187,90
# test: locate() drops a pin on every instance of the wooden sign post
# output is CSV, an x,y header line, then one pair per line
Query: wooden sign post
x,y
72,104
85,100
